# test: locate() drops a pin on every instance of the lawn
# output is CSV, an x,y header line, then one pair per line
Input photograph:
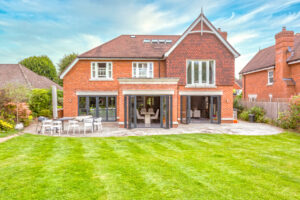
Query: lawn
x,y
7,133
195,166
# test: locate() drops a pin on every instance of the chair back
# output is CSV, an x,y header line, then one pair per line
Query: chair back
x,y
143,110
73,122
89,120
138,115
156,114
55,123
98,120
47,122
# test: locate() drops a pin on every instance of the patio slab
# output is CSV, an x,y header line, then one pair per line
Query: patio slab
x,y
241,128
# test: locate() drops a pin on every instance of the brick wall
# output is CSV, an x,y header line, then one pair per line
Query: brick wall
x,y
207,46
295,74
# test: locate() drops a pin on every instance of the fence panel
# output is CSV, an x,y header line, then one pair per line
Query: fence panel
x,y
272,109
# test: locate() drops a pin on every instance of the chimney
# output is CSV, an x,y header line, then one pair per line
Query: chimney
x,y
284,41
223,34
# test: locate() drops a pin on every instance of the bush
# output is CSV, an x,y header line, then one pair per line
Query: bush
x,y
237,105
291,118
259,113
244,115
5,126
45,113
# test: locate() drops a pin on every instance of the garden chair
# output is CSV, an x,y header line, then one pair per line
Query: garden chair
x,y
46,126
56,126
73,124
88,124
98,123
156,115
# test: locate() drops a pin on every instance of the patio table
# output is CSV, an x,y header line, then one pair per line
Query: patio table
x,y
147,118
63,121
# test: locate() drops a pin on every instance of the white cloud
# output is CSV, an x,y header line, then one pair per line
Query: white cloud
x,y
242,37
242,61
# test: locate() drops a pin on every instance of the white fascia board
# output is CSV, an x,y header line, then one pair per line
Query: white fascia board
x,y
201,93
259,70
97,93
294,62
148,92
68,68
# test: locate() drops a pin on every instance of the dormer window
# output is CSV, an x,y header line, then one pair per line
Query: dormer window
x,y
142,70
270,77
101,70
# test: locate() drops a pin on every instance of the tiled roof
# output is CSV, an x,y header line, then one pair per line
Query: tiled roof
x,y
239,82
266,57
18,74
128,46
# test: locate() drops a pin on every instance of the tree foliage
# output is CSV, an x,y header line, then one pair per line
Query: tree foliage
x,y
41,65
66,61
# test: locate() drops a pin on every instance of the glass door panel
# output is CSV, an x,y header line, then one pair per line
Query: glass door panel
x,y
185,109
92,106
102,108
111,109
82,106
215,109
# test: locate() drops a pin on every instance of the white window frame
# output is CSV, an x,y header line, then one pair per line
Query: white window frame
x,y
96,77
270,83
149,72
200,84
252,97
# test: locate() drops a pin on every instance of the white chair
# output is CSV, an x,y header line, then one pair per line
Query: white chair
x,y
73,124
197,114
139,116
56,126
156,115
88,124
98,123
46,125
143,110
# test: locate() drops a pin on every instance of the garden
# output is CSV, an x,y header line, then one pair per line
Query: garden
x,y
19,106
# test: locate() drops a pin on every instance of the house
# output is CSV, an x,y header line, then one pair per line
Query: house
x,y
18,74
155,80
237,87
274,72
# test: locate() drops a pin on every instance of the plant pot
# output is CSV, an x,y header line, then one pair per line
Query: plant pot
x,y
19,126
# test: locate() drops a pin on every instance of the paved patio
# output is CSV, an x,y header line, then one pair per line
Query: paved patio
x,y
111,130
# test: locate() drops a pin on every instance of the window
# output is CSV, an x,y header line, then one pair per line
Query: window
x,y
142,70
270,77
252,97
101,70
201,72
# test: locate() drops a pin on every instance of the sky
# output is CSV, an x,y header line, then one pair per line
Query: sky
x,y
59,27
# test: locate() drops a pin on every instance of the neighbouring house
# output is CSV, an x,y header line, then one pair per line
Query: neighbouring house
x,y
237,87
20,75
274,72
155,80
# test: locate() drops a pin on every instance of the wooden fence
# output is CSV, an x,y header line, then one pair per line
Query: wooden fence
x,y
272,109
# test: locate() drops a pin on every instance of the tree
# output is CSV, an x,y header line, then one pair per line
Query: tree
x,y
16,94
41,65
66,61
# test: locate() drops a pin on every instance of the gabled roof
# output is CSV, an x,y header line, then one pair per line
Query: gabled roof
x,y
203,20
132,46
265,58
18,74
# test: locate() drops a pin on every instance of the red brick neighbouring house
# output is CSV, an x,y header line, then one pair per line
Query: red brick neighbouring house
x,y
155,80
274,72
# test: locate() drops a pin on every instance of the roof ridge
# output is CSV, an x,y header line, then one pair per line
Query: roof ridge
x,y
25,77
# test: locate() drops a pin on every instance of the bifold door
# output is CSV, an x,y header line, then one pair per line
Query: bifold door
x,y
185,107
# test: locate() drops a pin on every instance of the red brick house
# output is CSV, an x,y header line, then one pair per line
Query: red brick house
x,y
274,72
155,80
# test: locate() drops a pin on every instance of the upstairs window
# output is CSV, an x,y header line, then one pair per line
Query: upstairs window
x,y
201,72
142,70
101,70
270,77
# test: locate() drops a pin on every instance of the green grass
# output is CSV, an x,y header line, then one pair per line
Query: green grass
x,y
7,133
196,166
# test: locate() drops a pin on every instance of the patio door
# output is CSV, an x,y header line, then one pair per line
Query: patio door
x,y
130,119
166,120
185,108
215,109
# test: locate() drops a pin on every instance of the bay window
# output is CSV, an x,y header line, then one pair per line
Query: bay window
x,y
142,70
201,72
101,70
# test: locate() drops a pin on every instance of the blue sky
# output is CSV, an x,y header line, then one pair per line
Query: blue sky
x,y
59,27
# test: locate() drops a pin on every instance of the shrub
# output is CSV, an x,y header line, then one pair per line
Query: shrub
x,y
45,113
259,113
244,115
291,118
237,105
5,126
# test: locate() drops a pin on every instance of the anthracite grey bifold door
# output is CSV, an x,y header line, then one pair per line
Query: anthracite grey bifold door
x,y
185,107
130,119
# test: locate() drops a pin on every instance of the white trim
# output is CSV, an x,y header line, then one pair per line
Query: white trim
x,y
97,70
202,19
294,62
149,81
100,93
68,68
201,93
204,31
148,92
258,70
227,118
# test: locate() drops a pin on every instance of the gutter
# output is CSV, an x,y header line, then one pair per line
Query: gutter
x,y
258,70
